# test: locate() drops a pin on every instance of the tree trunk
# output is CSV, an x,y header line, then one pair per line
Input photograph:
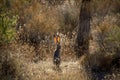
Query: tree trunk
x,y
84,29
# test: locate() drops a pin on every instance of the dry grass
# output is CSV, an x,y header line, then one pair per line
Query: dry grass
x,y
21,65
19,68
46,71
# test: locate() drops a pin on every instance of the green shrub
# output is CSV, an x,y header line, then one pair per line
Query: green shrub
x,y
7,29
114,34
